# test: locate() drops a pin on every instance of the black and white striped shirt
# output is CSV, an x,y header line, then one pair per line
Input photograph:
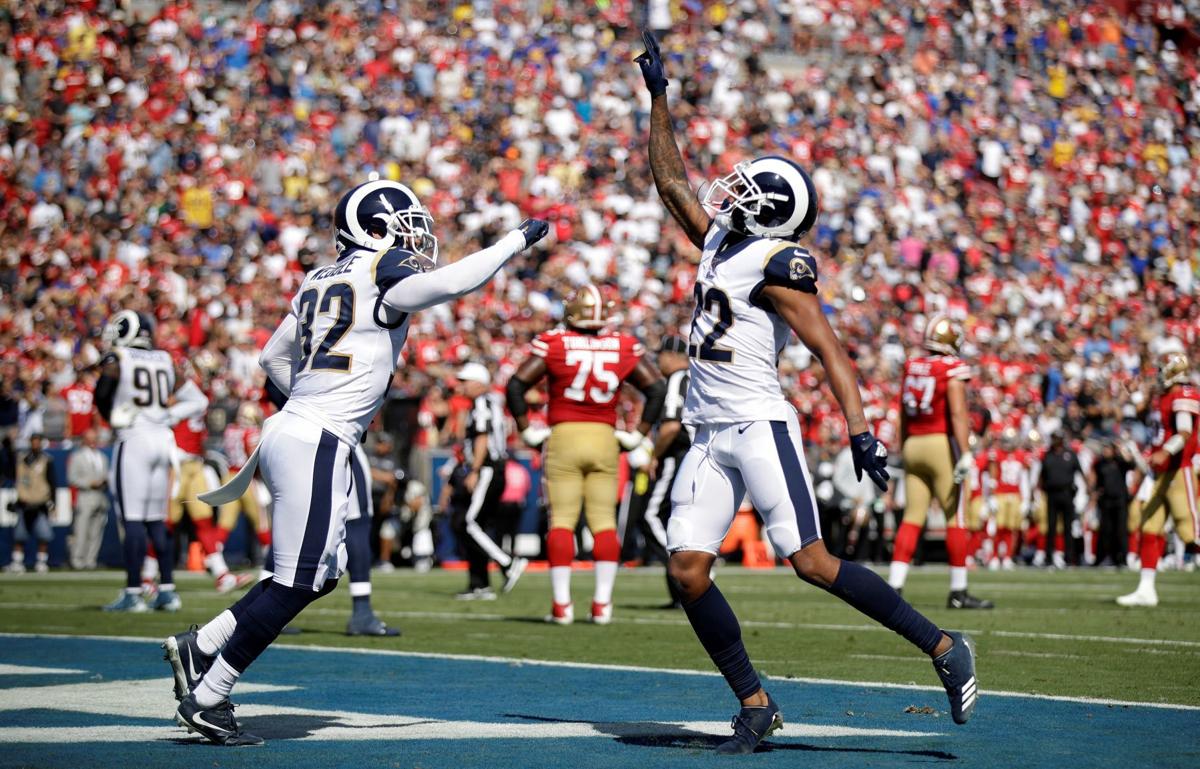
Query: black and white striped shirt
x,y
487,418
677,385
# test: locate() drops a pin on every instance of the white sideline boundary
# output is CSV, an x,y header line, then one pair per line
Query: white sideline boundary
x,y
773,625
516,662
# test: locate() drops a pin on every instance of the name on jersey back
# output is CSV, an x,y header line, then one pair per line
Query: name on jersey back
x,y
591,342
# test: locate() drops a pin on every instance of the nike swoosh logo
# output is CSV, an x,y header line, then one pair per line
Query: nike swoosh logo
x,y
199,718
192,667
744,429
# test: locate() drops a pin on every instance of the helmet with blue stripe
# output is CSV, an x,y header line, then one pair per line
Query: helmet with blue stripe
x,y
766,197
381,214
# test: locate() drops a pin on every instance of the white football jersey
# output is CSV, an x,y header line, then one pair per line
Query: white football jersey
x,y
736,337
347,343
147,380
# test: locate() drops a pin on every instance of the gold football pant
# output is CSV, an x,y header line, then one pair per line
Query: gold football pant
x,y
248,504
929,475
195,478
1008,511
581,474
975,514
1175,495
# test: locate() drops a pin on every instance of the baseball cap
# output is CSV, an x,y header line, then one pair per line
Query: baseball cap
x,y
673,343
474,372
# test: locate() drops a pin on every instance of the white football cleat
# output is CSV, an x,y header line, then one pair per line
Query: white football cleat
x,y
1007,564
601,613
561,614
1059,561
1133,561
1140,597
994,564
1039,558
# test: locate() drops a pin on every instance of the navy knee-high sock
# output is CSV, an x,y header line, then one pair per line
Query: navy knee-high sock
x,y
239,608
721,635
165,552
135,553
869,593
261,621
358,558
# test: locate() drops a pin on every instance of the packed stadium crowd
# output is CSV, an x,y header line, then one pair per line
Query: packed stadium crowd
x,y
1031,169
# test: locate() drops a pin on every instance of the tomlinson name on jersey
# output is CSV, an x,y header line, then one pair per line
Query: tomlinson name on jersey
x,y
579,342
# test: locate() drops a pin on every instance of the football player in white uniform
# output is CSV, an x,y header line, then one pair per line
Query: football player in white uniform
x,y
334,356
141,397
755,285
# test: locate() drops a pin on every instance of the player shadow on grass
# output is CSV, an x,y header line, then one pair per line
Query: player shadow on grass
x,y
659,735
294,727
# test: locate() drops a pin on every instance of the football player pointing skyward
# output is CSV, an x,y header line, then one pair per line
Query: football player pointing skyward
x,y
755,285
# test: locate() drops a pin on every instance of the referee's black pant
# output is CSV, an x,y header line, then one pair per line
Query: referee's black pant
x,y
475,517
651,510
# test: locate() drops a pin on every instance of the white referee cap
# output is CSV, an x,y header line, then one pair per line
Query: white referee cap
x,y
474,372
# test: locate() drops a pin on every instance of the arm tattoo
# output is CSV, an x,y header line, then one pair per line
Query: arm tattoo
x,y
670,176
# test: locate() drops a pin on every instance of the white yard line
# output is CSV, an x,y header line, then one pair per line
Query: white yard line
x,y
640,669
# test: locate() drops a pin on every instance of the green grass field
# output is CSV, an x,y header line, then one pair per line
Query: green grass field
x,y
1056,633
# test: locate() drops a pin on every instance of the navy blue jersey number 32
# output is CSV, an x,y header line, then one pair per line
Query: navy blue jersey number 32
x,y
312,303
716,299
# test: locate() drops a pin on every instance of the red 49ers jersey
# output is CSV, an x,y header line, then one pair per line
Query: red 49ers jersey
x,y
977,473
926,407
190,435
585,372
239,444
1009,467
80,408
1180,399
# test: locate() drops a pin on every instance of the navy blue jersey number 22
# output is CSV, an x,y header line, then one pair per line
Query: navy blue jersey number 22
x,y
718,300
338,301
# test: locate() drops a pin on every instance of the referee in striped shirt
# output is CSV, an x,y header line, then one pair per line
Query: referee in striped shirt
x,y
672,440
485,453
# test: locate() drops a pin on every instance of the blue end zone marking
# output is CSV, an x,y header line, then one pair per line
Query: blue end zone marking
x,y
364,709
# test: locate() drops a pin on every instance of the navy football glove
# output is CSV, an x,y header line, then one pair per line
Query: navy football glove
x,y
870,455
533,230
653,71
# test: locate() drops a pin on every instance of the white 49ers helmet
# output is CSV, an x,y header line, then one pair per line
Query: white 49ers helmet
x,y
943,335
586,308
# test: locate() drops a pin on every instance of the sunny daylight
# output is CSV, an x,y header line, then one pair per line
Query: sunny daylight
x,y
599,383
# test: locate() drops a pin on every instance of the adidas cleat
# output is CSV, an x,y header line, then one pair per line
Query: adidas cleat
x,y
513,573
961,599
188,663
956,668
750,727
369,624
217,723
128,602
601,613
561,614
167,600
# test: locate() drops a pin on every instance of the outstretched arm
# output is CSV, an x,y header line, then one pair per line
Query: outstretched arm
x,y
427,289
666,162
